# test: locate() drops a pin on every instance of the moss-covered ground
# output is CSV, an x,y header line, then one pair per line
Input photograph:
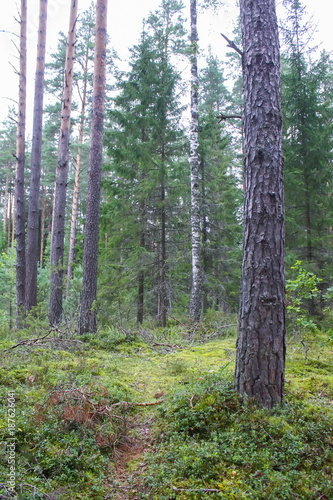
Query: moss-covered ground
x,y
152,414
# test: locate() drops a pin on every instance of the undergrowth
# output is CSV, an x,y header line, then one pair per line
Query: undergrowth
x,y
213,446
76,403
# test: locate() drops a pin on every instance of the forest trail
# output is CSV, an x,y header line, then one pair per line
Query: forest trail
x,y
130,458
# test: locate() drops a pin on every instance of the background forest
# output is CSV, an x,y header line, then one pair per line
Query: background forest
x,y
146,407
144,250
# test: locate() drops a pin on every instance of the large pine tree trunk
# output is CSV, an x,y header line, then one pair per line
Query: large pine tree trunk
x,y
196,300
260,361
87,321
36,152
58,236
19,181
75,200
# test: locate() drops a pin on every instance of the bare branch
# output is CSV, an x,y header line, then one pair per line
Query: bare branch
x,y
15,70
206,490
10,33
222,117
232,45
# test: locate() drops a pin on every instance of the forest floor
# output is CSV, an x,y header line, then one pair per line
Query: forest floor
x,y
152,414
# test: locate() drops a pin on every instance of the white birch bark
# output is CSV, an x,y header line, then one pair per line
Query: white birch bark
x,y
195,301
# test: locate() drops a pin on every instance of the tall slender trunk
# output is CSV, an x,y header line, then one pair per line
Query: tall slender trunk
x,y
195,300
141,283
19,181
204,239
87,321
42,227
141,275
162,256
36,152
58,236
260,358
5,206
9,220
13,221
75,200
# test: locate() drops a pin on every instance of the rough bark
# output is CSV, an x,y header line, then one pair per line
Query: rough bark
x,y
75,200
13,219
42,227
195,300
204,240
9,220
5,206
141,282
35,168
162,254
58,236
87,321
260,361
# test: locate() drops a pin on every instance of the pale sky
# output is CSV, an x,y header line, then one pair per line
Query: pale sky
x,y
124,25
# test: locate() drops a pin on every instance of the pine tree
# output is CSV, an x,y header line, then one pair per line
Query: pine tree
x,y
87,321
84,56
260,359
33,215
58,230
20,158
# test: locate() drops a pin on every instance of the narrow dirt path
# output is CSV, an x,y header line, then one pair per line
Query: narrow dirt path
x,y
129,462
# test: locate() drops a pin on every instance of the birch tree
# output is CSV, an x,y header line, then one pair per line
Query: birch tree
x,y
260,361
58,232
87,322
196,300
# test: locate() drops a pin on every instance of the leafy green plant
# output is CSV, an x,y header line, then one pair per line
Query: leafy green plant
x,y
300,290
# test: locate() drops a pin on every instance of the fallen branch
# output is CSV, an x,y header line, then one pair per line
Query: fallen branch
x,y
178,321
206,490
232,45
42,340
171,346
191,402
34,489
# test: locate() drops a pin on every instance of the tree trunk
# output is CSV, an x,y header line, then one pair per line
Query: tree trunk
x,y
196,300
58,236
204,240
42,227
162,252
5,207
141,275
141,282
87,321
19,181
260,361
36,151
75,201
13,218
9,219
